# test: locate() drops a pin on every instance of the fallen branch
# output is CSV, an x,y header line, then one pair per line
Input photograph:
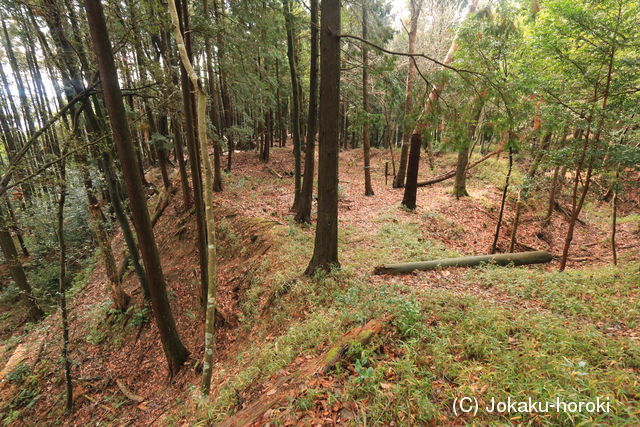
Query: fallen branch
x,y
290,385
566,212
518,258
452,173
273,171
128,393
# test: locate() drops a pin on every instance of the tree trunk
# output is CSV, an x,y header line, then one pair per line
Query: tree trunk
x,y
416,8
520,258
215,111
552,197
430,103
516,222
295,97
366,142
119,297
494,245
325,250
411,187
303,213
614,219
578,202
116,202
209,341
62,288
194,162
460,185
174,350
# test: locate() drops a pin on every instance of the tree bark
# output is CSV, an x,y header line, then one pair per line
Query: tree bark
x,y
194,161
578,202
416,8
411,187
209,335
174,350
494,245
430,103
520,258
460,185
62,288
303,213
325,250
366,142
295,99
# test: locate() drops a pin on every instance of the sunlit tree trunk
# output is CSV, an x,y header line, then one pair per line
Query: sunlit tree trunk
x,y
303,214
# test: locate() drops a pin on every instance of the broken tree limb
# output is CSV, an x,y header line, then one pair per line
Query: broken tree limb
x,y
518,258
128,393
289,385
451,174
557,206
274,172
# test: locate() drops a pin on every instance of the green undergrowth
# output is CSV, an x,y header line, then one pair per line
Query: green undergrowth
x,y
601,294
395,240
107,325
438,345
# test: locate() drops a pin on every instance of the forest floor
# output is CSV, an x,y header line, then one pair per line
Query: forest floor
x,y
488,332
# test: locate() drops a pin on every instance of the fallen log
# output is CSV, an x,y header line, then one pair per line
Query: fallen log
x,y
517,258
292,384
451,174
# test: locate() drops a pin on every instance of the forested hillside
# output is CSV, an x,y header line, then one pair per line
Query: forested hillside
x,y
319,212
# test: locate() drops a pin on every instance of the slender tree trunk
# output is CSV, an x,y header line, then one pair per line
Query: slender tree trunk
x,y
194,162
227,106
174,350
215,111
430,103
295,97
303,214
460,184
411,187
416,8
325,251
208,199
116,202
366,141
516,221
578,202
16,230
182,167
552,197
163,129
62,288
494,245
614,219
118,295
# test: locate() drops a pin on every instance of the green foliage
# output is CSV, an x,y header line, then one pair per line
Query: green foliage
x,y
28,393
604,294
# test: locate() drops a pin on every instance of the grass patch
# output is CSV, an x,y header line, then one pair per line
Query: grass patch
x,y
602,294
